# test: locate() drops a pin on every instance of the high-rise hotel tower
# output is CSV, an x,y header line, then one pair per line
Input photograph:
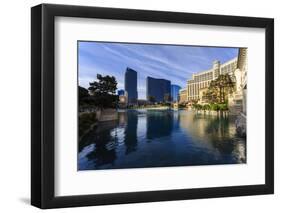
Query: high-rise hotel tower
x,y
159,89
131,83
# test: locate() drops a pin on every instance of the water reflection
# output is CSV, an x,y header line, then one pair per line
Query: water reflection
x,y
131,140
153,138
103,152
159,123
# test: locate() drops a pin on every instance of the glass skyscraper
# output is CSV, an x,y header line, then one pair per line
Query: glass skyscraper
x,y
175,89
131,85
158,90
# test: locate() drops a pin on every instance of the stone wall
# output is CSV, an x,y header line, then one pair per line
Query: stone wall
x,y
107,115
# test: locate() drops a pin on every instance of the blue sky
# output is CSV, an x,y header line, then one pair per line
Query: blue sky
x,y
171,62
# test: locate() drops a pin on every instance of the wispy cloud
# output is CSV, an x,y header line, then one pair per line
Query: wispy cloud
x,y
172,62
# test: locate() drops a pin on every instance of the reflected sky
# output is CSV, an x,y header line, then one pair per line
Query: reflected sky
x,y
160,138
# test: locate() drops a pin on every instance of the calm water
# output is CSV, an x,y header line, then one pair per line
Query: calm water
x,y
156,138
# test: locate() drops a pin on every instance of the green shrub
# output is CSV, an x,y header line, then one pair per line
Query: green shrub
x,y
206,107
219,107
212,106
223,107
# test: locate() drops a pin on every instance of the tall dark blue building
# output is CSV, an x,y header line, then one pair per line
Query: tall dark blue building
x,y
175,90
158,89
131,85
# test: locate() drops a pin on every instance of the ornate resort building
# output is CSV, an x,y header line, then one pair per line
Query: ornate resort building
x,y
202,80
236,68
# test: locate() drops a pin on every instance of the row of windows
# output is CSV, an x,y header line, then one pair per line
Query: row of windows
x,y
209,75
203,80
217,72
204,77
193,89
192,98
228,68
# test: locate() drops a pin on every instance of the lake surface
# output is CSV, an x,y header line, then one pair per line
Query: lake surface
x,y
161,138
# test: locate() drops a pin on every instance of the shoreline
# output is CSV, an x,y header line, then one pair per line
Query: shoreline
x,y
149,108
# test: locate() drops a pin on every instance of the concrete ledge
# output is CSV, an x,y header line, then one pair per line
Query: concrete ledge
x,y
107,115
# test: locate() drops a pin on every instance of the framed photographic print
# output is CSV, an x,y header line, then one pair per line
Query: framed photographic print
x,y
139,106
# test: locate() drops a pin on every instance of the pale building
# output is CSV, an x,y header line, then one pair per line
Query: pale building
x,y
123,100
183,95
243,66
202,99
236,68
237,101
201,81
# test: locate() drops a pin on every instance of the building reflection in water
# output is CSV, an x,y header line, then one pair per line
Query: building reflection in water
x,y
147,138
104,144
217,132
131,140
159,124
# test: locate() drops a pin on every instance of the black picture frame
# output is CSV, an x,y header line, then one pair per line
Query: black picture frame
x,y
43,111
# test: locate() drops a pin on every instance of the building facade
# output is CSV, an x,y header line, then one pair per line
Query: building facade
x,y
175,90
237,100
123,98
236,68
183,96
202,80
123,101
158,90
131,85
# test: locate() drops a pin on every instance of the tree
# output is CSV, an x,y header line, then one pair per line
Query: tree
x,y
103,91
83,96
219,89
211,95
82,92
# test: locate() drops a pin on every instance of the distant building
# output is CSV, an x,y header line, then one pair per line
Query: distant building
x,y
123,100
121,92
158,90
183,96
175,89
131,85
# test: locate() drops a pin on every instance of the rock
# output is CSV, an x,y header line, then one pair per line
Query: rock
x,y
241,125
